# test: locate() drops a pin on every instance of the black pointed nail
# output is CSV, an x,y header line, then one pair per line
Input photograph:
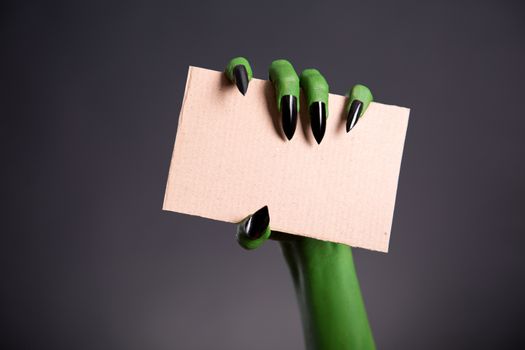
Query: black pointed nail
x,y
257,223
241,78
353,114
318,120
289,115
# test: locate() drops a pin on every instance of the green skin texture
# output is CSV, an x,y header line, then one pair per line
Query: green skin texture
x,y
332,308
324,276
285,81
362,93
235,62
315,87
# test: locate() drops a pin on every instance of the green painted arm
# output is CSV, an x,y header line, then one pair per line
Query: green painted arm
x,y
332,308
327,289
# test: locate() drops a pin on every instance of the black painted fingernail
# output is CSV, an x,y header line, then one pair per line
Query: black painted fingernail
x,y
257,223
289,115
241,78
353,114
318,120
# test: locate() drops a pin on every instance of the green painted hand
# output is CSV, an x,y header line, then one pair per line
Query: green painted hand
x,y
324,276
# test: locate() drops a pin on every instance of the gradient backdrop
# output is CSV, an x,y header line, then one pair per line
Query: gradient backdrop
x,y
90,95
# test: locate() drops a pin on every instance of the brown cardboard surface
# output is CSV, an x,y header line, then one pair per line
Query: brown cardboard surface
x,y
231,158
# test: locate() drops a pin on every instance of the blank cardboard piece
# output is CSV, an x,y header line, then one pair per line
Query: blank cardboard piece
x,y
231,158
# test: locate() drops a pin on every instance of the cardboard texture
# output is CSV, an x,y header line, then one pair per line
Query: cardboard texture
x,y
231,158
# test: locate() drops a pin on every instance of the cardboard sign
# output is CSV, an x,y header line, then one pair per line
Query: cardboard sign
x,y
231,158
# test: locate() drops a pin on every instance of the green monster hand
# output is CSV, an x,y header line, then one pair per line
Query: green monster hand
x,y
332,308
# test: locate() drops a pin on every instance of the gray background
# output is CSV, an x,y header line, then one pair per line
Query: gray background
x,y
89,104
